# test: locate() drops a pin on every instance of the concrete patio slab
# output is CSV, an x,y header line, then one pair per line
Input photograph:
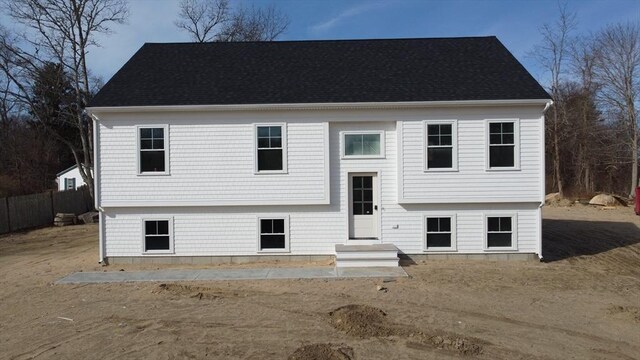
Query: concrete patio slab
x,y
231,274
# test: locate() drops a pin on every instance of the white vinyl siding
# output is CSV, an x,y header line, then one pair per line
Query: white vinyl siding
x,y
212,163
472,183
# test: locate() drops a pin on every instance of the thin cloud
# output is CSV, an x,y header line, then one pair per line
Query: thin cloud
x,y
346,14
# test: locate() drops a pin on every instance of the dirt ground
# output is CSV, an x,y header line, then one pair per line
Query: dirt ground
x,y
583,302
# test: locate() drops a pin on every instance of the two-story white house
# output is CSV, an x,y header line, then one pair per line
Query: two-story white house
x,y
222,152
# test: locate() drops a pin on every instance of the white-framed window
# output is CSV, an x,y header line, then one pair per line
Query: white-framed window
x,y
501,231
153,149
367,144
69,183
503,144
440,145
157,236
440,233
270,148
273,234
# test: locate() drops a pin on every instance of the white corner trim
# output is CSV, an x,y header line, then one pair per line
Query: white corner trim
x,y
399,162
316,106
327,162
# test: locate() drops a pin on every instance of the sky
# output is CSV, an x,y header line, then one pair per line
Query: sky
x,y
515,22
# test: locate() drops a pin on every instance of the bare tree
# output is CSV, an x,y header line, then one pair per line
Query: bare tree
x,y
552,55
617,68
215,20
61,32
201,19
254,24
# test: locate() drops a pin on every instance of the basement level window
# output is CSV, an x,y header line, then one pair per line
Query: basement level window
x,y
274,234
157,236
500,230
440,233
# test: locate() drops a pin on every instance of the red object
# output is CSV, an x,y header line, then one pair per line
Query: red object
x,y
638,201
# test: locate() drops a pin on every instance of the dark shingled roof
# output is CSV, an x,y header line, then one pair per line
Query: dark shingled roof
x,y
332,71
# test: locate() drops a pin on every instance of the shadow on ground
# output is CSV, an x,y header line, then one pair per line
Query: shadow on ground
x,y
563,239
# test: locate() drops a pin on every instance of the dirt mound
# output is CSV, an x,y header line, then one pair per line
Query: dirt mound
x,y
555,200
365,321
197,292
323,352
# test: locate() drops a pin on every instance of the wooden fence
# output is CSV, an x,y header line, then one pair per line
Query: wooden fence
x,y
35,210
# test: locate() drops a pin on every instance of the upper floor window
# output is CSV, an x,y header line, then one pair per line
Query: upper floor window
x,y
441,145
503,144
153,154
363,144
270,148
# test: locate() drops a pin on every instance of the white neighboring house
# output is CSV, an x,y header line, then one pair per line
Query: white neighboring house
x,y
69,179
357,149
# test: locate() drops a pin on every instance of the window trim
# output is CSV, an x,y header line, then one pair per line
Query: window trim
x,y
454,145
283,132
516,144
454,243
143,233
514,232
166,151
286,248
69,180
343,144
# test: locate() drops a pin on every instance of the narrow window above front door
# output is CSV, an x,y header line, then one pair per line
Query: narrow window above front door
x,y
362,144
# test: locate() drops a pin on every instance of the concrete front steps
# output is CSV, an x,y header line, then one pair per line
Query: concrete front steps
x,y
377,255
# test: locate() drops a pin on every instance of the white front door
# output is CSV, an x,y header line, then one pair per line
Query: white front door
x,y
363,206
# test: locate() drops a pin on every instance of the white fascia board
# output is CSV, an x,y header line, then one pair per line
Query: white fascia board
x,y
317,106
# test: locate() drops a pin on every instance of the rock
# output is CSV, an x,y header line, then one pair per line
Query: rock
x,y
382,288
604,200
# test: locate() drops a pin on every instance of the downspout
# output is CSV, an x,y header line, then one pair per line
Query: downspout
x,y
96,187
542,177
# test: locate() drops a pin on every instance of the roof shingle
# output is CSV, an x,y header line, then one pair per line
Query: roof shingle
x,y
331,71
